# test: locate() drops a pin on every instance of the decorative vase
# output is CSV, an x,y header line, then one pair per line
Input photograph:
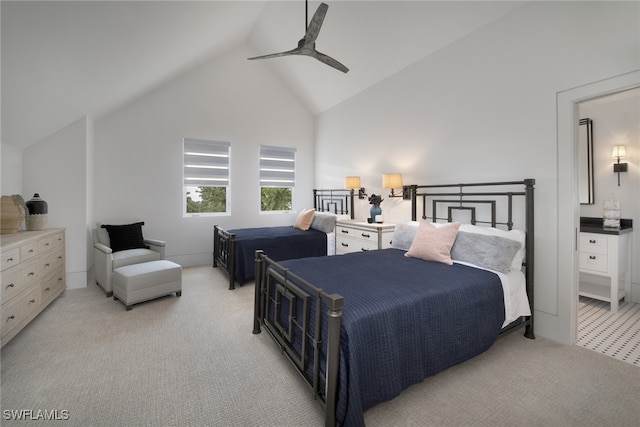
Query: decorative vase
x,y
375,210
37,215
12,214
611,212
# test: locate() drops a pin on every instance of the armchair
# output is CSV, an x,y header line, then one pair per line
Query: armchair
x,y
129,247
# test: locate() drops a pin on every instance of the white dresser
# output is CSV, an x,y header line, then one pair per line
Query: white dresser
x,y
605,264
356,236
33,275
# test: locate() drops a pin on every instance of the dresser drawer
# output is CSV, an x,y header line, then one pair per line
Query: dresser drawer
x,y
354,233
46,243
594,262
28,251
346,244
52,286
49,262
593,243
17,279
17,311
10,258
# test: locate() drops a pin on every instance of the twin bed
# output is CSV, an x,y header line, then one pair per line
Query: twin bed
x,y
234,250
362,327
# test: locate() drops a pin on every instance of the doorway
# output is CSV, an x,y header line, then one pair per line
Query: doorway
x,y
615,121
568,207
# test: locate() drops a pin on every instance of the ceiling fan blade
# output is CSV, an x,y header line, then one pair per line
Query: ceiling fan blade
x,y
329,61
316,23
295,51
306,46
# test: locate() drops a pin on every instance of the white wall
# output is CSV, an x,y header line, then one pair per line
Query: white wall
x,y
616,120
10,170
55,167
484,109
138,160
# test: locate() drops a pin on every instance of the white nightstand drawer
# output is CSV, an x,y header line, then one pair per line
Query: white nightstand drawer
x,y
345,245
593,261
355,233
357,236
593,243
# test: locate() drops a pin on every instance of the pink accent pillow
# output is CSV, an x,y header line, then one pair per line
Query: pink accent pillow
x,y
303,222
434,243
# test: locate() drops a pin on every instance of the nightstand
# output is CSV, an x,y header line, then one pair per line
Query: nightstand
x,y
355,236
605,263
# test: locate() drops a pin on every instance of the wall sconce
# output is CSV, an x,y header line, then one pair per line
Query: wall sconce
x,y
619,152
353,183
393,181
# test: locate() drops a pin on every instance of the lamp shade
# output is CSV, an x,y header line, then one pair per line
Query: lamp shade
x,y
352,182
392,180
619,151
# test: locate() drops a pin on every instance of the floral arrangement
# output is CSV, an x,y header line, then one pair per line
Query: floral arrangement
x,y
375,200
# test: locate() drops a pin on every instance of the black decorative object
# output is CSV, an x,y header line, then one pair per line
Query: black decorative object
x,y
37,215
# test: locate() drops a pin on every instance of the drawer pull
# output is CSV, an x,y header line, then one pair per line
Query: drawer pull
x,y
47,289
592,241
364,249
30,251
47,265
11,317
592,257
346,245
32,301
345,231
46,244
366,235
31,273
10,285
60,257
9,259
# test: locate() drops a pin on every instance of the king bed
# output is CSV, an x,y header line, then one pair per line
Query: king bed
x,y
234,250
362,327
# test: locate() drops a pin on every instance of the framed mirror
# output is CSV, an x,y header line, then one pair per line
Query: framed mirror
x,y
585,162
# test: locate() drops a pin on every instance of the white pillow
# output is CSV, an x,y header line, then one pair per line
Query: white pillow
x,y
517,235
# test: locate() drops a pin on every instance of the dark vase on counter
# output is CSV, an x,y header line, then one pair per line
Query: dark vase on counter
x,y
37,215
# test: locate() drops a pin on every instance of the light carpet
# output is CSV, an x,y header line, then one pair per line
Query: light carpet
x,y
193,361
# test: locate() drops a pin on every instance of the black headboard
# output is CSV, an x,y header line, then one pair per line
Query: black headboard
x,y
338,201
497,204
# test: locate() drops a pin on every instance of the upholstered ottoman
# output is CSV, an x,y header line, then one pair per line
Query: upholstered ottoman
x,y
145,281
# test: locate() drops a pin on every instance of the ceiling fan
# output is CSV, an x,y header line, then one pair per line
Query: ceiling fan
x,y
307,45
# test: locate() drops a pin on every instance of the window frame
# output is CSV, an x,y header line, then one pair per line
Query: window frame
x,y
206,148
272,161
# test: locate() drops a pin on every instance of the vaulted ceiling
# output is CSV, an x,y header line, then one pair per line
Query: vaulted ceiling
x,y
64,60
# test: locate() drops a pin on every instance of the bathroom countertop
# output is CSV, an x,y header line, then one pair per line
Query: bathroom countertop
x,y
594,225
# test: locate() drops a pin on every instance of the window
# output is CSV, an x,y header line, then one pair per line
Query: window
x,y
206,176
277,178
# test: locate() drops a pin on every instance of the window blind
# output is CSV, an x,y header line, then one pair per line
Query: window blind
x,y
277,166
206,163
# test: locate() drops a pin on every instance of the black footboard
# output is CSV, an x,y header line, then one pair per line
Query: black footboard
x,y
224,249
305,322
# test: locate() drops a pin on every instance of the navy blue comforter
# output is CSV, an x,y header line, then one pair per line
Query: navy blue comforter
x,y
280,243
404,319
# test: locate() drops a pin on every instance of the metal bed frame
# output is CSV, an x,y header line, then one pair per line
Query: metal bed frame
x,y
289,286
338,201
